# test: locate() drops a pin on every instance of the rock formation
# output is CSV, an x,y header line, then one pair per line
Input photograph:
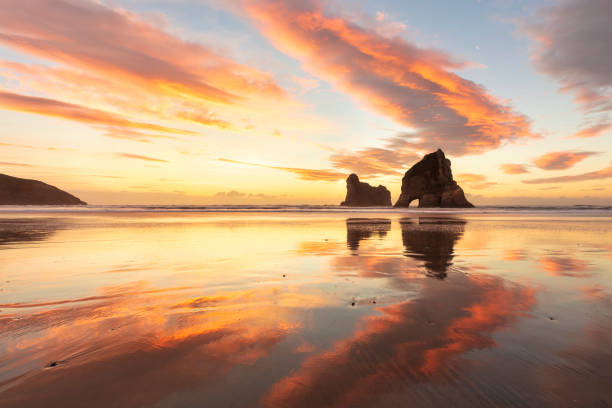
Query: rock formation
x,y
17,191
360,194
431,182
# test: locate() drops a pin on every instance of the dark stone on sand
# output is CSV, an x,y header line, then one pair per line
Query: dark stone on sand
x,y
431,182
18,191
360,194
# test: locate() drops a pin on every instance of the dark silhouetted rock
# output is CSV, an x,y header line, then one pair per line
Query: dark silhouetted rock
x,y
360,194
431,182
17,191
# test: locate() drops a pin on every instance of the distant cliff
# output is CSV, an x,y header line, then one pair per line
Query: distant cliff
x,y
360,194
431,182
17,191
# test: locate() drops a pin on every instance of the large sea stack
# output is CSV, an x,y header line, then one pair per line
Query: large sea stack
x,y
431,182
360,194
18,191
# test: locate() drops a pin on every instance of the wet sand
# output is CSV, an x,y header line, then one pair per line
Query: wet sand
x,y
305,310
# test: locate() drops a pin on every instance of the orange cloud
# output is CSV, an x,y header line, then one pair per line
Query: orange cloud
x,y
560,160
113,59
139,157
374,161
592,175
15,164
514,168
593,131
471,178
304,174
413,86
475,181
55,108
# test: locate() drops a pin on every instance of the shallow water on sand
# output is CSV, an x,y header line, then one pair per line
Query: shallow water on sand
x,y
305,310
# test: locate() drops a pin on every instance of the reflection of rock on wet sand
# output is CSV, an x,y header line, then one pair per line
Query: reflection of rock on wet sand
x,y
363,228
13,231
432,240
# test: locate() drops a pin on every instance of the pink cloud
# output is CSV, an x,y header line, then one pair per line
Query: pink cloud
x,y
593,131
592,175
108,58
55,108
560,160
304,174
140,157
514,168
414,86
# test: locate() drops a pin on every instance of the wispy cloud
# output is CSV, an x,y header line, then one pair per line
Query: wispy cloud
x,y
140,157
560,160
373,161
592,175
55,108
509,168
572,45
414,86
304,174
106,58
475,181
593,131
14,164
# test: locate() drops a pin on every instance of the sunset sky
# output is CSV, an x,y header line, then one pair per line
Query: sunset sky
x,y
268,102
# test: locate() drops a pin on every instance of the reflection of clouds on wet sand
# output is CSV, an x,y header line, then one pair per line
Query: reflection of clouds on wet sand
x,y
133,346
565,266
409,343
582,375
514,255
332,312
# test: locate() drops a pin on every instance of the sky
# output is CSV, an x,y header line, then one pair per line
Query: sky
x,y
277,102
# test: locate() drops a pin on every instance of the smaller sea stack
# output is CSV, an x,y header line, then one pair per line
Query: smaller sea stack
x,y
360,194
18,191
431,182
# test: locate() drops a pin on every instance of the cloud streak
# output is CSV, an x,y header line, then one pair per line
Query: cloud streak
x,y
509,168
560,160
107,58
78,113
592,175
304,174
593,131
572,45
475,181
413,86
140,157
